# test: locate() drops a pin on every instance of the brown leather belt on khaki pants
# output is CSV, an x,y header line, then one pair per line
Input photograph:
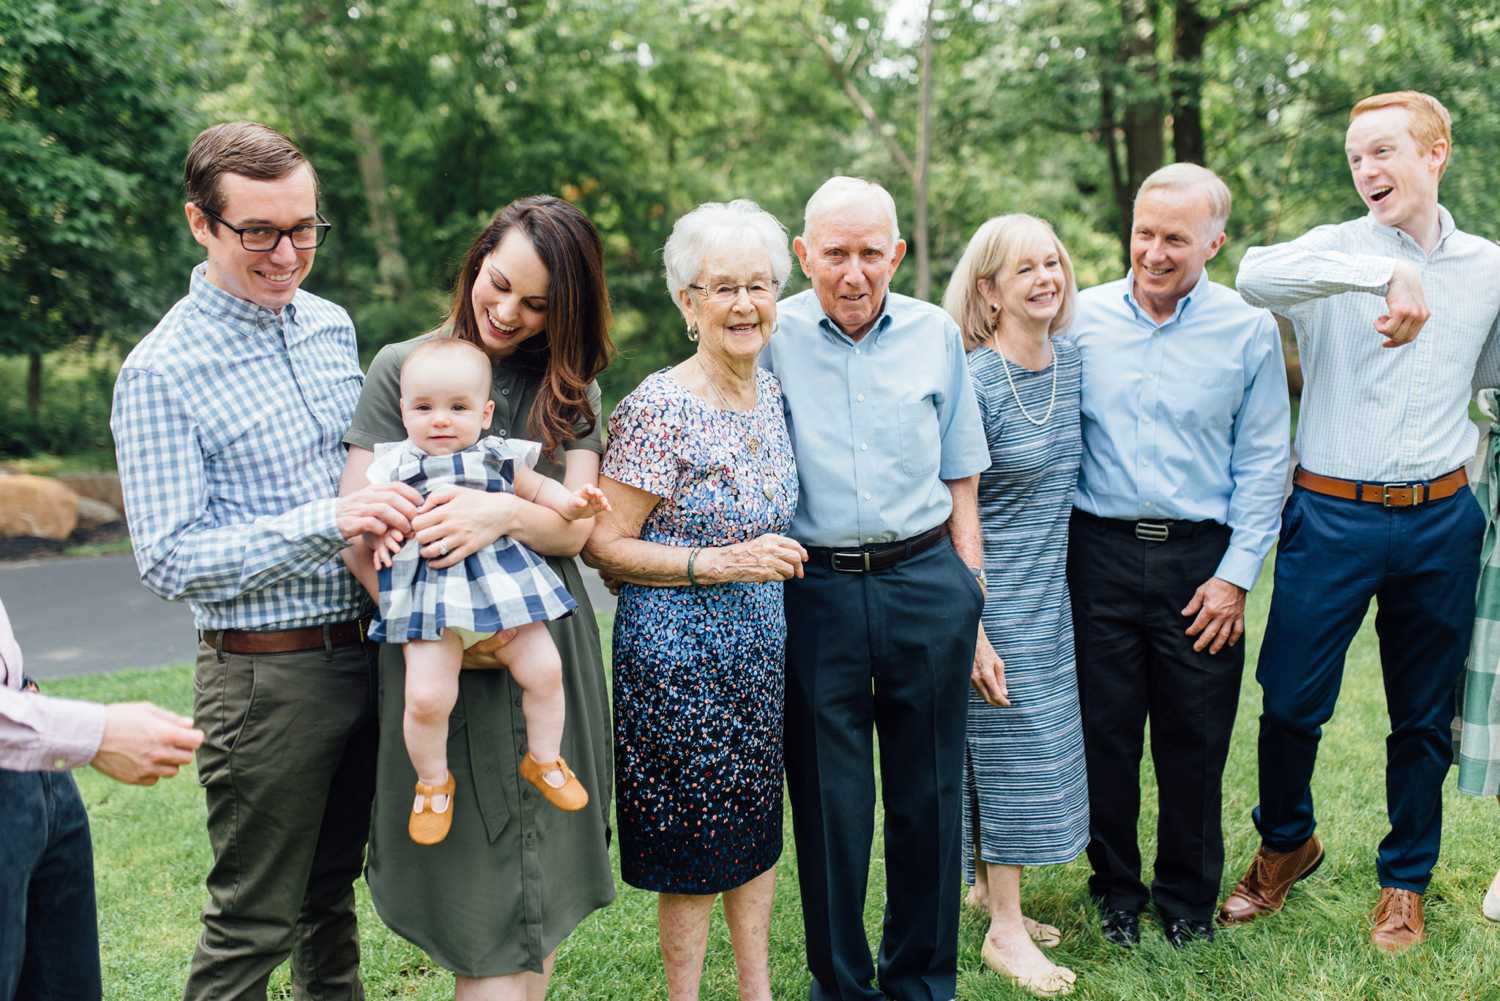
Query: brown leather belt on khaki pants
x,y
1385,494
249,641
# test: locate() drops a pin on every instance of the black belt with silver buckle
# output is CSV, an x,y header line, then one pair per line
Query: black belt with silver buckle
x,y
1157,530
873,559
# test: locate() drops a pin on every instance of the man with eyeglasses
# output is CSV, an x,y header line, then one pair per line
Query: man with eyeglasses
x,y
881,629
228,422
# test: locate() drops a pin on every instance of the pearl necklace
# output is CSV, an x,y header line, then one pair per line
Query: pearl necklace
x,y
1051,403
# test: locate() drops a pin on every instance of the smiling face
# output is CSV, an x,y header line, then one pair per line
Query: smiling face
x,y
1028,289
269,278
1395,176
736,330
1173,235
849,256
510,296
445,399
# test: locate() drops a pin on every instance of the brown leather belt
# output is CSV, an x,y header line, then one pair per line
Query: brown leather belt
x,y
1385,494
872,559
249,641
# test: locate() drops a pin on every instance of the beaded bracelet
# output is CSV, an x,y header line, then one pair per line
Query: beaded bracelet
x,y
692,558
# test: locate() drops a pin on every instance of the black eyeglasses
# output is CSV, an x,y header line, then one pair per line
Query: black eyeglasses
x,y
264,239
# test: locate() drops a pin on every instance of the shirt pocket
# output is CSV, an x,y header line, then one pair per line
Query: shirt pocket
x,y
917,437
1203,397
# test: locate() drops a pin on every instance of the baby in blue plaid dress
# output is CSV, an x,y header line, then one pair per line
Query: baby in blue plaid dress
x,y
437,614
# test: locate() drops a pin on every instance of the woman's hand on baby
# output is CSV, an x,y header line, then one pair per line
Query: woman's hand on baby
x,y
486,653
456,522
587,502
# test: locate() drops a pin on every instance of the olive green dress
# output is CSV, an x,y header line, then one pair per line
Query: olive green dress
x,y
515,874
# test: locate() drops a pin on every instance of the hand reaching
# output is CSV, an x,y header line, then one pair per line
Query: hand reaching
x,y
587,502
383,548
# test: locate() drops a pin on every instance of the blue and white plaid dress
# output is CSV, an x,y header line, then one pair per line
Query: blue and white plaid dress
x,y
501,587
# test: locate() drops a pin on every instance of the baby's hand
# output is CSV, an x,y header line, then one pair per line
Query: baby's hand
x,y
587,502
384,547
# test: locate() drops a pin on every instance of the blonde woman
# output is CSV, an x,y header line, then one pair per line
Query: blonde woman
x,y
1025,787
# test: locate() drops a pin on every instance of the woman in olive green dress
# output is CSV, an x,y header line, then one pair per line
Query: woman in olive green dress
x,y
492,902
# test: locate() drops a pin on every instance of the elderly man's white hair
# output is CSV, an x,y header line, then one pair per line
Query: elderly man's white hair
x,y
717,224
840,192
1190,176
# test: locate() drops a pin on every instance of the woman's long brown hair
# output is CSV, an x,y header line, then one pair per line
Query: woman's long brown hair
x,y
575,346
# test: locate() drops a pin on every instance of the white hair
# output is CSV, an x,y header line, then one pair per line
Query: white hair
x,y
715,224
839,192
1191,176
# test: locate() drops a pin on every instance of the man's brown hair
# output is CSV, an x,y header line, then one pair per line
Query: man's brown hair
x,y
246,148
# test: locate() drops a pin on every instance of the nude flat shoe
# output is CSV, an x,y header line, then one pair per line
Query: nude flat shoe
x,y
1491,906
1052,985
429,825
569,796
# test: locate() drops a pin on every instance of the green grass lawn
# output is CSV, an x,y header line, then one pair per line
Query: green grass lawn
x,y
152,853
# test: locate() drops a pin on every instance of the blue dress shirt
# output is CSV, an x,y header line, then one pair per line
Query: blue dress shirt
x,y
229,421
877,424
1187,419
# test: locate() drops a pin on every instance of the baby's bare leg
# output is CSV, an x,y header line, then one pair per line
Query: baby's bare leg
x,y
431,690
534,663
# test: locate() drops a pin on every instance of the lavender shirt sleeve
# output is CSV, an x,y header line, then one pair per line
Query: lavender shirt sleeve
x,y
39,733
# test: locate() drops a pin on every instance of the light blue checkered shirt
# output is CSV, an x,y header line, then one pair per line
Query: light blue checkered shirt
x,y
1383,415
228,422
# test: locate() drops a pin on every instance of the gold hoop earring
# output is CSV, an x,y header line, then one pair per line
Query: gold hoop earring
x,y
692,332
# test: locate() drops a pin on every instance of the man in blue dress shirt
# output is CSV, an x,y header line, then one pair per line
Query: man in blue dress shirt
x,y
229,420
1381,507
1185,456
881,630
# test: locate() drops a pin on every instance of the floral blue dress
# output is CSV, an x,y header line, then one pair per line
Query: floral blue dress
x,y
698,670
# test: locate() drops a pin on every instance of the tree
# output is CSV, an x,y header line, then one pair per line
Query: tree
x,y
92,127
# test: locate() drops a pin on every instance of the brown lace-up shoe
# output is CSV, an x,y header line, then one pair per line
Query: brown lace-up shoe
x,y
1399,923
1263,888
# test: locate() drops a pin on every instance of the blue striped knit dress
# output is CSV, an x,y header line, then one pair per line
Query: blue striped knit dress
x,y
1025,787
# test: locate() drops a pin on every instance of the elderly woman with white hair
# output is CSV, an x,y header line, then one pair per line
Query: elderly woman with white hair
x,y
1025,786
700,476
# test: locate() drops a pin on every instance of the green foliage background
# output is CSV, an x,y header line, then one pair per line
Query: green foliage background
x,y
425,116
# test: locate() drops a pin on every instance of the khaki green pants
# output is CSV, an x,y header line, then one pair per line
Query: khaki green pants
x,y
288,768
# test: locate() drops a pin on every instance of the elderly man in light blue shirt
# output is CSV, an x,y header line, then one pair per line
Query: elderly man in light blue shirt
x,y
1185,418
881,630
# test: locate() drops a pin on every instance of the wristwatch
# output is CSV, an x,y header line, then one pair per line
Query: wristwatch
x,y
978,573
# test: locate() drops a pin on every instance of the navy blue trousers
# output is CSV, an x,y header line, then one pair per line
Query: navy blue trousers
x,y
888,652
49,934
1421,566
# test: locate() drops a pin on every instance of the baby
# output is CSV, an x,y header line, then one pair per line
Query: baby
x,y
437,614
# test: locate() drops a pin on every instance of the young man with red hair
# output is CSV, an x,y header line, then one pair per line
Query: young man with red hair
x,y
1380,505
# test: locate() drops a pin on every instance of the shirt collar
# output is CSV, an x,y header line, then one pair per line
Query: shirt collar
x,y
1446,228
1194,293
881,324
213,301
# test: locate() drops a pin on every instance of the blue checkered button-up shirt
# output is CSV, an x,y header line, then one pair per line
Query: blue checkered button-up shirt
x,y
228,422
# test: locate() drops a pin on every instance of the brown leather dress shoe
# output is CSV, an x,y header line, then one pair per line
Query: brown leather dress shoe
x,y
1263,888
1399,923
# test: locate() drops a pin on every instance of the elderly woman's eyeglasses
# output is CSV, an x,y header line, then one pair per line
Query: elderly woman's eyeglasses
x,y
262,239
724,293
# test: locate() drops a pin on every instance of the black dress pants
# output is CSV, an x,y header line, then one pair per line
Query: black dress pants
x,y
887,652
1135,662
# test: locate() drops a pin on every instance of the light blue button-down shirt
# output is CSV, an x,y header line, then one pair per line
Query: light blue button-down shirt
x,y
877,424
229,421
1383,415
1187,419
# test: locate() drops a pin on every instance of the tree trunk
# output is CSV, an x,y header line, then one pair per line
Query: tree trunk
x,y
924,150
1141,118
34,383
1190,34
1108,133
391,264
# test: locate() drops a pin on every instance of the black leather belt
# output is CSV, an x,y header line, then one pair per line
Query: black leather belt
x,y
1157,530
873,559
